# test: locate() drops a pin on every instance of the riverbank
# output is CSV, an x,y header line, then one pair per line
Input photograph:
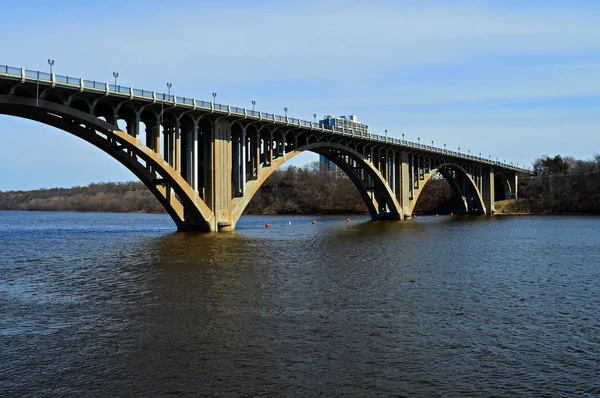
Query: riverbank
x,y
512,207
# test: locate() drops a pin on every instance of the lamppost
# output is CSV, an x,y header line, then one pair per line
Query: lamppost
x,y
253,103
444,147
214,97
285,110
432,143
469,152
458,149
51,63
402,136
169,91
115,75
386,134
419,141
315,117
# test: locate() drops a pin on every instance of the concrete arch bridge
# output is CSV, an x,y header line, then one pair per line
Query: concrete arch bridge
x,y
204,161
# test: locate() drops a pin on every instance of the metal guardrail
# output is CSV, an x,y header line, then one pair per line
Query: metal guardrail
x,y
130,92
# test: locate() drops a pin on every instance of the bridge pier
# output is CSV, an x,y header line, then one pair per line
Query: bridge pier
x,y
404,192
220,191
488,193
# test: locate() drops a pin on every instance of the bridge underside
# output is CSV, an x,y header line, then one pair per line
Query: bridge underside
x,y
205,167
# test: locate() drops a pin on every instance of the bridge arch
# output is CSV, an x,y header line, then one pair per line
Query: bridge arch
x,y
182,203
502,188
382,203
466,193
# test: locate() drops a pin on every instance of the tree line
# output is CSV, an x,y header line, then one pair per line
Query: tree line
x,y
118,197
311,189
561,186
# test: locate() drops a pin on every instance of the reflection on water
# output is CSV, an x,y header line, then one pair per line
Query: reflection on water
x,y
112,304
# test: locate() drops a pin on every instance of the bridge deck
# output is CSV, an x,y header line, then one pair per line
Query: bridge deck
x,y
104,88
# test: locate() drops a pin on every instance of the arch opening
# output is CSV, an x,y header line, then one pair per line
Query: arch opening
x,y
309,189
502,189
175,196
437,197
376,195
466,198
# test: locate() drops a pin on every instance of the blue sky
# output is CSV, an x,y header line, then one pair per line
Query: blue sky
x,y
513,80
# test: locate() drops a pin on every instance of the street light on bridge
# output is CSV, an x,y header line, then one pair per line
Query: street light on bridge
x,y
169,91
285,110
385,133
253,103
214,97
115,75
458,149
419,140
402,136
315,117
432,143
51,63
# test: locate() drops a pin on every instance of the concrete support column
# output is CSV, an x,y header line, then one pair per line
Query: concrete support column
x,y
412,176
177,147
150,128
404,184
207,156
221,184
257,154
384,167
515,187
488,191
194,156
270,149
244,152
393,182
133,125
167,146
156,137
186,152
236,167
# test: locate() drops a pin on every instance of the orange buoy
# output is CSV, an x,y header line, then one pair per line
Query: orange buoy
x,y
451,214
267,225
436,215
347,220
314,222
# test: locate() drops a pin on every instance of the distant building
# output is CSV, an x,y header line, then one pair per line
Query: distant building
x,y
348,124
326,164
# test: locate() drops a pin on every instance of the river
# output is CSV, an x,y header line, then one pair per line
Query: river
x,y
99,304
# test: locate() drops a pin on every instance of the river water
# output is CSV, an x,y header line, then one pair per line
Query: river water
x,y
120,304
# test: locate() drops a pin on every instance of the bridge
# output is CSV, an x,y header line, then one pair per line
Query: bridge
x,y
205,161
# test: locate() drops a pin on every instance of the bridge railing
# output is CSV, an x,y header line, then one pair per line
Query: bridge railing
x,y
112,89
